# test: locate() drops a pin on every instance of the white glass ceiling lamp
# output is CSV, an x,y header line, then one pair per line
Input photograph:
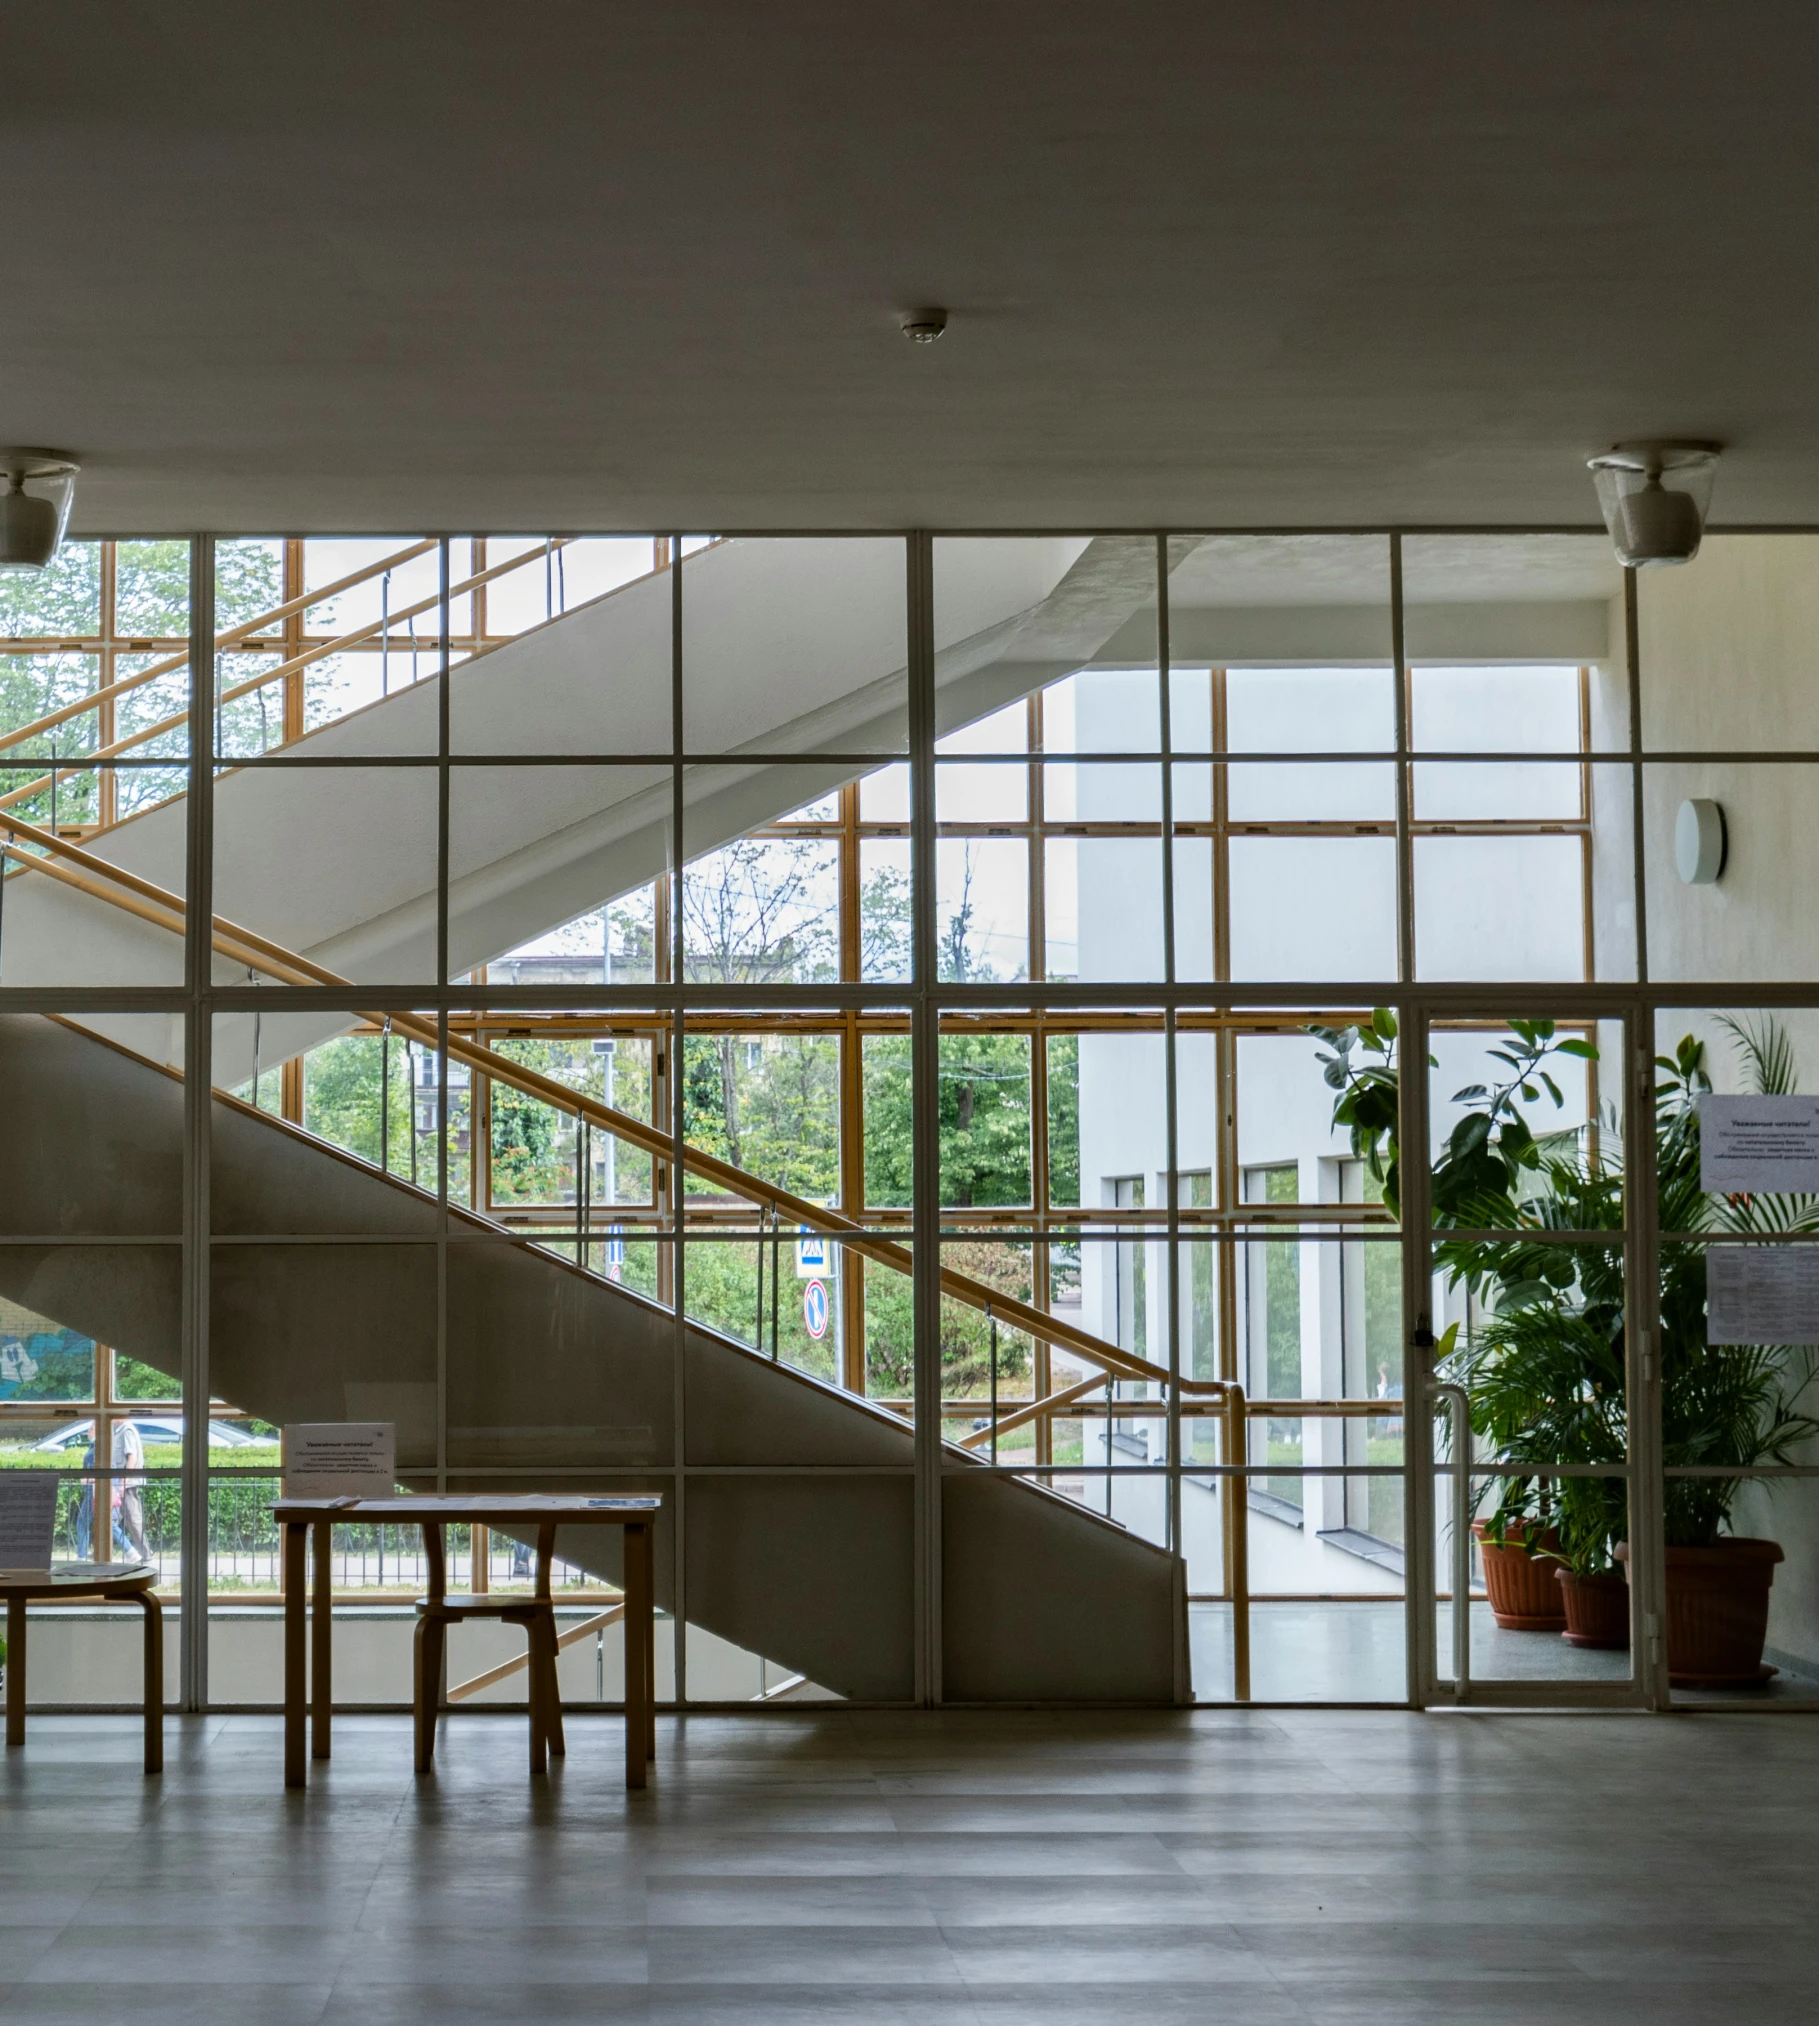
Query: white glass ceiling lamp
x,y
1655,496
35,501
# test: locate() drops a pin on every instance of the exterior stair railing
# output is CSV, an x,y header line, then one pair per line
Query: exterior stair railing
x,y
85,759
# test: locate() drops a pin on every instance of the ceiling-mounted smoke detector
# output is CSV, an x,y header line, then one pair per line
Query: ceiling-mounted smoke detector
x,y
34,506
1655,497
923,327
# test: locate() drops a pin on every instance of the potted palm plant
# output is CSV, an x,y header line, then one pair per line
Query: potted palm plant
x,y
1544,1368
1723,1406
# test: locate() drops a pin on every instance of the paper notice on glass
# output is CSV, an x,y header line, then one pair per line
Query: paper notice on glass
x,y
28,1518
1759,1145
340,1459
1762,1294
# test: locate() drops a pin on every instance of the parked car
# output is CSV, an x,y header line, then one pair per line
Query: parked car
x,y
163,1429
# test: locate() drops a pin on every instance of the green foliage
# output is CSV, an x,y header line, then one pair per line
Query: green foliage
x,y
1545,1368
762,911
1767,1052
134,1380
966,1333
889,1180
524,1144
768,1104
1368,1100
1064,1118
1281,1265
1722,1404
884,924
62,600
343,1095
984,1111
151,604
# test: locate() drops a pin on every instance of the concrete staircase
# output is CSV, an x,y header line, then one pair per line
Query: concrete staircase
x,y
550,1368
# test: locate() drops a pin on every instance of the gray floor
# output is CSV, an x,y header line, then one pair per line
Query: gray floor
x,y
1212,1866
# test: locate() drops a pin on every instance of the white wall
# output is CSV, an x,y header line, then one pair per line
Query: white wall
x,y
1730,662
1322,908
83,1656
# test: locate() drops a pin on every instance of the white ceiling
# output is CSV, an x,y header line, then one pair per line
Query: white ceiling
x,y
563,263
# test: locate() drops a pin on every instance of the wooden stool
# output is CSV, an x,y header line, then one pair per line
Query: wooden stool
x,y
538,1618
537,1614
85,1579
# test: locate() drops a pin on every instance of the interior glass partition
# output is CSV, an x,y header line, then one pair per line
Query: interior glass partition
x,y
1529,1240
94,695
1738,1357
638,959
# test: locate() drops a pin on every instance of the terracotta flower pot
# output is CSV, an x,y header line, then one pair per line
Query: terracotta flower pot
x,y
1717,1611
1597,1607
1524,1595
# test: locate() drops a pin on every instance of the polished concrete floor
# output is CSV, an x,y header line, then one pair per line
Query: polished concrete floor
x,y
1211,1866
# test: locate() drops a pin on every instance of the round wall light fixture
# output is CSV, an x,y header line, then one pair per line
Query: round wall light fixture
x,y
1654,497
34,506
1701,842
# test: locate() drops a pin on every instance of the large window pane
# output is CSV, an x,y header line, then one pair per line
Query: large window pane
x,y
1342,923
1500,907
795,645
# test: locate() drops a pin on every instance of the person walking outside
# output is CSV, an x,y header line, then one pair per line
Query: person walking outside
x,y
129,1492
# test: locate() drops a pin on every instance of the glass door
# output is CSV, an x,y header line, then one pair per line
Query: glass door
x,y
1522,1276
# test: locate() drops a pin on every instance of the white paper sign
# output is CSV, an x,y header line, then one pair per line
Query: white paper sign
x,y
1762,1294
1759,1146
340,1459
28,1518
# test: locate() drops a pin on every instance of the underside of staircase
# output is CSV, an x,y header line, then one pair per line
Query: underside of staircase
x,y
327,1281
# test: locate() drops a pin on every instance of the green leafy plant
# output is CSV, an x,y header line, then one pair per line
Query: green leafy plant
x,y
1543,1363
1361,1067
1721,1404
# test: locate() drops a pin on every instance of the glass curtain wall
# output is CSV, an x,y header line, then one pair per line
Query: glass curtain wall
x,y
897,1045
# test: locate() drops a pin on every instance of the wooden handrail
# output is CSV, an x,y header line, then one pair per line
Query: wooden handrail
x,y
1033,1410
168,910
390,619
80,762
244,631
475,1683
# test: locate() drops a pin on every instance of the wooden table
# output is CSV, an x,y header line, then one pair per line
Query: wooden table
x,y
63,1583
299,1517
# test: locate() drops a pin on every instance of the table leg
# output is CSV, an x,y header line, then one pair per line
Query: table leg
x,y
322,1667
426,1687
294,1541
154,1681
432,1643
552,1690
15,1671
546,1700
637,1652
650,1642
539,1694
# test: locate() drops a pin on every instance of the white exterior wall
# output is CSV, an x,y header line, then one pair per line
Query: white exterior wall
x,y
1284,1106
91,1656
